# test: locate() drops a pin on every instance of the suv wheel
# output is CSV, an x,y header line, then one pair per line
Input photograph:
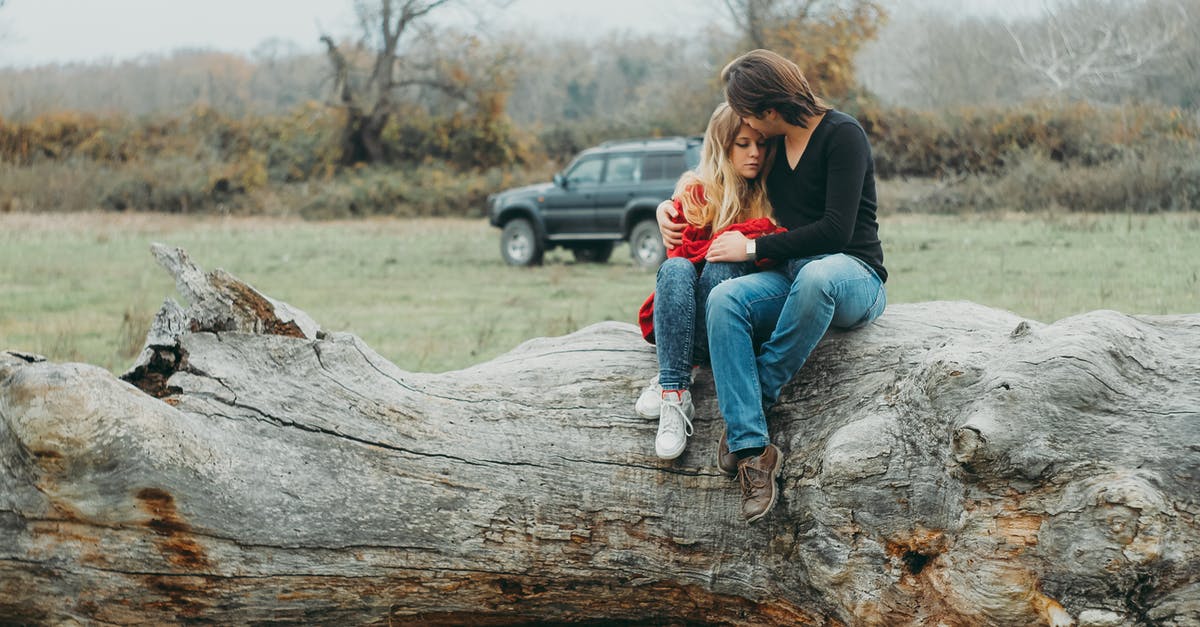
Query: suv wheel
x,y
519,244
646,246
595,252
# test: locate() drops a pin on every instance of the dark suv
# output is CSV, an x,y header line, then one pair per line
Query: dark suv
x,y
606,195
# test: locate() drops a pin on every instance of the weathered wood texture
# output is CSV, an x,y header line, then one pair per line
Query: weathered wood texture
x,y
951,464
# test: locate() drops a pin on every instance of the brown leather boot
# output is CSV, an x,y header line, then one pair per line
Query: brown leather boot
x,y
757,476
726,461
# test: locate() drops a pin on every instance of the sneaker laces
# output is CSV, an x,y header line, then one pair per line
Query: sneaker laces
x,y
672,426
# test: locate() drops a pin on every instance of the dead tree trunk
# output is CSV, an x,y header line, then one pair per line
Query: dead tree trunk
x,y
951,464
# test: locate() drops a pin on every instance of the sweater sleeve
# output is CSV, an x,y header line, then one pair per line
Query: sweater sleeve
x,y
847,160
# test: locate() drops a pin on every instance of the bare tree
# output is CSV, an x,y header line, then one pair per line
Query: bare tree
x,y
1083,47
933,59
751,17
759,19
390,29
822,36
370,105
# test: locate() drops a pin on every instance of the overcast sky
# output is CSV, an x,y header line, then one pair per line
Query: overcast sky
x,y
48,31
34,32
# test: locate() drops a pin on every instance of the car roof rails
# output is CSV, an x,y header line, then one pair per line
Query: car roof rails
x,y
639,140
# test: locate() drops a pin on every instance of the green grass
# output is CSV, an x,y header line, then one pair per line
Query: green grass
x,y
433,295
1050,266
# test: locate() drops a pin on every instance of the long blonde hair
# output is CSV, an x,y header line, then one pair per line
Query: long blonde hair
x,y
728,197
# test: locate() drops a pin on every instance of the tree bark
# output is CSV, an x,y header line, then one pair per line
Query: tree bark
x,y
950,464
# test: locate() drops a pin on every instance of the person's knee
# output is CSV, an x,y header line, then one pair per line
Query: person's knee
x,y
720,271
716,273
677,267
816,279
724,300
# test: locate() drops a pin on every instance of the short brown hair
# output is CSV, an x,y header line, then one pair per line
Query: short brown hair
x,y
761,80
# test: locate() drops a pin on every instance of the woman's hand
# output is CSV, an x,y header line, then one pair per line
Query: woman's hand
x,y
729,246
672,231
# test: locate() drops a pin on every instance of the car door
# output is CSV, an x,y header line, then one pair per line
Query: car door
x,y
570,208
622,183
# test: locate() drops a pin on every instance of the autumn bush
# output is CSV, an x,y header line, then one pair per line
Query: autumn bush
x,y
1158,177
411,191
988,141
465,141
1072,156
207,161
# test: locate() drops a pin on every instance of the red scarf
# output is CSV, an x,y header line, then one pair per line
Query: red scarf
x,y
696,241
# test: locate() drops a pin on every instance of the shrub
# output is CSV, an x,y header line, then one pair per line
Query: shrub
x,y
55,186
464,141
416,191
1164,176
173,185
1072,155
983,141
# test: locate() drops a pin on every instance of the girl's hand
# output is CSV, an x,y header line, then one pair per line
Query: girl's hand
x,y
729,246
672,231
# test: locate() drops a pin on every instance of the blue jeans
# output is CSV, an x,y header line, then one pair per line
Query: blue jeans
x,y
679,328
784,312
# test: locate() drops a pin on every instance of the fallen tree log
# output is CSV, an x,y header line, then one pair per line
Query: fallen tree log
x,y
951,464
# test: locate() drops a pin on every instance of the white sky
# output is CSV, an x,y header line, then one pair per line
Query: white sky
x,y
34,32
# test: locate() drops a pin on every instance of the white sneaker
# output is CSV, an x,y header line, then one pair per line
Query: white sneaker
x,y
674,423
648,403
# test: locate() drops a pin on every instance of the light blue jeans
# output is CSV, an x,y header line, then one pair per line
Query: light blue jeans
x,y
783,312
679,328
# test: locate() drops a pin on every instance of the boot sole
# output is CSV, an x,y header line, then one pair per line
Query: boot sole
x,y
774,490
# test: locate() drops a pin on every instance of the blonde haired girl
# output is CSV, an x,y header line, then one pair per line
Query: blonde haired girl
x,y
723,191
726,192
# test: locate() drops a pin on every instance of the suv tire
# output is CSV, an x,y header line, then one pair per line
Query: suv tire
x,y
520,244
597,252
646,246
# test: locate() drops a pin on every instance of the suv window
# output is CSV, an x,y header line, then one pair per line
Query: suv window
x,y
661,166
623,169
586,171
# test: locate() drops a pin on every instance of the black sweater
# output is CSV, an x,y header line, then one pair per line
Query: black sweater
x,y
827,204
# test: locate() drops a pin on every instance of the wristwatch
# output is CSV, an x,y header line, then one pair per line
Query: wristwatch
x,y
751,250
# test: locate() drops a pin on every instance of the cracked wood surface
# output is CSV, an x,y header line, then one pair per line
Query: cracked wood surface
x,y
951,464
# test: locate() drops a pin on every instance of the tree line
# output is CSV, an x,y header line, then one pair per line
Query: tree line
x,y
1083,84
1109,51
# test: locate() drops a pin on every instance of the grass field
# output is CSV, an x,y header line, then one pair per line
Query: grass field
x,y
433,294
